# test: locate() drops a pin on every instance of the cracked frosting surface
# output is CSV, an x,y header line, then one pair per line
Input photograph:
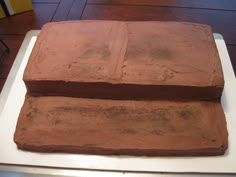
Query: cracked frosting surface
x,y
147,53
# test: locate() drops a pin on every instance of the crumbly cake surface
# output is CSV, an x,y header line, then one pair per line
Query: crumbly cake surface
x,y
118,127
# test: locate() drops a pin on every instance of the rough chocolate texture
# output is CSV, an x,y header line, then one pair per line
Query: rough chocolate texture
x,y
119,127
161,70
125,60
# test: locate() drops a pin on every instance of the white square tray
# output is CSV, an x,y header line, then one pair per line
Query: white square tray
x,y
12,98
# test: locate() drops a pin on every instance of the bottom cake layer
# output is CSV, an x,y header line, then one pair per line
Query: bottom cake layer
x,y
119,127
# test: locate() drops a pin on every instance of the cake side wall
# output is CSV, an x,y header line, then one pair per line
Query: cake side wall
x,y
122,91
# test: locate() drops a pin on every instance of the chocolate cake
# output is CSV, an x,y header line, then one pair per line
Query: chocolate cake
x,y
144,88
120,127
125,60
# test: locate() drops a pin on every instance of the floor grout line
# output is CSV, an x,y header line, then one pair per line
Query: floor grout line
x,y
44,3
231,44
4,34
70,9
184,7
55,11
85,4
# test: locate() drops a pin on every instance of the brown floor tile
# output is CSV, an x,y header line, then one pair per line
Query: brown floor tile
x,y
21,23
14,43
232,55
2,81
76,10
216,4
46,1
63,10
221,21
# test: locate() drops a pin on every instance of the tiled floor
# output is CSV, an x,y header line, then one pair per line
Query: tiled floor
x,y
220,14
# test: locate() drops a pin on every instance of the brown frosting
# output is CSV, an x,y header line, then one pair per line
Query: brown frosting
x,y
125,60
93,126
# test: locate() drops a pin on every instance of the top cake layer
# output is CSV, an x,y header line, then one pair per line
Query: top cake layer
x,y
114,59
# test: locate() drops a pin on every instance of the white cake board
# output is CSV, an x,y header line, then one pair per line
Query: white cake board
x,y
12,98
